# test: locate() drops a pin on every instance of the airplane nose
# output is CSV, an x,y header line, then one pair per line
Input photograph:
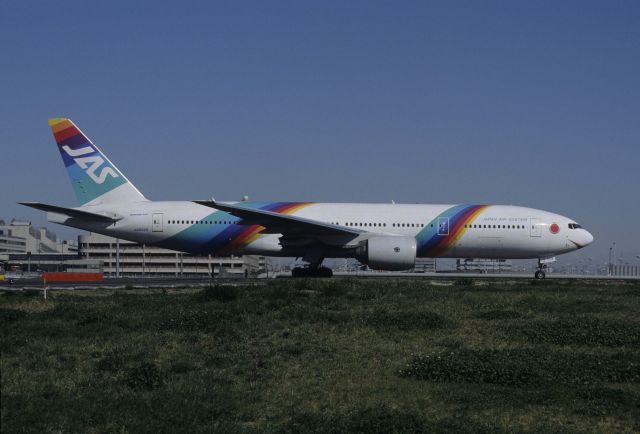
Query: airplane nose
x,y
581,238
588,238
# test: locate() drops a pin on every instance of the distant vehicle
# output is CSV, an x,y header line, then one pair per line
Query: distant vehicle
x,y
383,236
20,275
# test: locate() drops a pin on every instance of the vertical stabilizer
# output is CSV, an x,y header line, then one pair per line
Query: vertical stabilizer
x,y
95,179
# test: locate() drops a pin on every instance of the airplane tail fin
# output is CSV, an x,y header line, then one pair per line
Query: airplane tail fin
x,y
95,179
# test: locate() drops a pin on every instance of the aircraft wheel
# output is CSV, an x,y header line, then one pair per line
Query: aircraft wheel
x,y
299,272
311,272
324,272
540,274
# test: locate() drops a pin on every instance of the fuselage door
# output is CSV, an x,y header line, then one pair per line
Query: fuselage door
x,y
534,227
156,222
443,226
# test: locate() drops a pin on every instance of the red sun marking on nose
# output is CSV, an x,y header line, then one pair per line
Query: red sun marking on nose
x,y
554,228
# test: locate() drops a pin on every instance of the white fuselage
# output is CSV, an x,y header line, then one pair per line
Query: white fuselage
x,y
496,231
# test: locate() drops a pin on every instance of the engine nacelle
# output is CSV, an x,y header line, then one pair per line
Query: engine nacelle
x,y
392,253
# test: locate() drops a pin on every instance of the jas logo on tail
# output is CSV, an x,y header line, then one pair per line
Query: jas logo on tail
x,y
91,164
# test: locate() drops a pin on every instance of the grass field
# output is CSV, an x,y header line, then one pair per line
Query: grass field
x,y
341,355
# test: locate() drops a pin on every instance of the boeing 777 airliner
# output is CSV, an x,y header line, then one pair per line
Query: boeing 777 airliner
x,y
383,236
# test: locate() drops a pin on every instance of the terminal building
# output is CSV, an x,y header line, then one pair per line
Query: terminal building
x,y
26,249
483,265
623,270
136,260
425,265
21,236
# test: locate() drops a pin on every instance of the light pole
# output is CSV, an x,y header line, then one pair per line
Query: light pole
x,y
611,263
117,258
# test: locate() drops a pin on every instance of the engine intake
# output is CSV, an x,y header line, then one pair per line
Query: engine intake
x,y
392,253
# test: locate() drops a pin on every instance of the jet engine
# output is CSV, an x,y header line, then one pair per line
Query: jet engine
x,y
392,253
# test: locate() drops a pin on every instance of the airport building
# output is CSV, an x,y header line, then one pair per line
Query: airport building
x,y
136,260
483,265
32,265
624,270
20,236
425,265
25,248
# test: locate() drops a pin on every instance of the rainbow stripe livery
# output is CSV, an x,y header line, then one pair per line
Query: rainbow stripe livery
x,y
230,237
446,229
91,173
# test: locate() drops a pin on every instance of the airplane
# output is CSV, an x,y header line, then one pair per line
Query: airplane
x,y
382,236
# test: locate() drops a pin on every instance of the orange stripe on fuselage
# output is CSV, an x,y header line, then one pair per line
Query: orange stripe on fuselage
x,y
253,232
290,209
458,232
454,239
248,235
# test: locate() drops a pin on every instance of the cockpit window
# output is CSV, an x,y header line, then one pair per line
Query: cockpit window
x,y
574,226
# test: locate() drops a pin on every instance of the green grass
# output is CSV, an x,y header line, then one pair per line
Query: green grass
x,y
324,356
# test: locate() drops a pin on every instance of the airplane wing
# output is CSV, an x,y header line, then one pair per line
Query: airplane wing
x,y
280,223
71,212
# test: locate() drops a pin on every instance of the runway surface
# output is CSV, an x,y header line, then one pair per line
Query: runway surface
x,y
141,283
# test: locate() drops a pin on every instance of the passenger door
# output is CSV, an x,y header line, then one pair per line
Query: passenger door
x,y
443,226
156,222
534,227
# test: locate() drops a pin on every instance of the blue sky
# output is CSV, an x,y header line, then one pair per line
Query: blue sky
x,y
528,103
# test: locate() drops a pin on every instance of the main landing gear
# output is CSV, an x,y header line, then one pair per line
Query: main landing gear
x,y
314,257
311,272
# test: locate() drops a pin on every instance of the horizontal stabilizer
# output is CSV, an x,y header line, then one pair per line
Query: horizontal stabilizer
x,y
71,212
280,223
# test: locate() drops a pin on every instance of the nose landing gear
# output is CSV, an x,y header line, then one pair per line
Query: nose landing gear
x,y
540,273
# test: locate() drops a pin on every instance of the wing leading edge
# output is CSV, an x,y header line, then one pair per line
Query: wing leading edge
x,y
280,223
